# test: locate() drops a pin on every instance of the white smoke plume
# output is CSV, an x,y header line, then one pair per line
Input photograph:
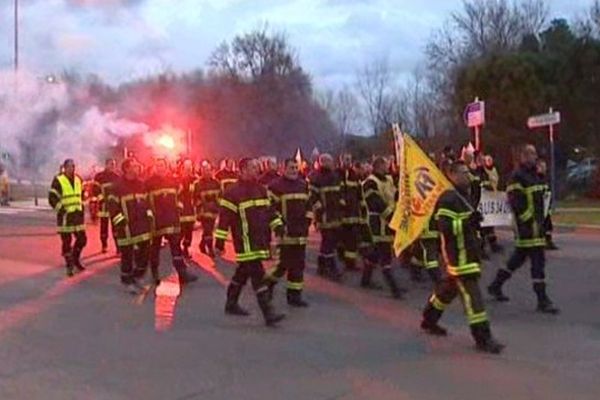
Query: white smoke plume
x,y
44,121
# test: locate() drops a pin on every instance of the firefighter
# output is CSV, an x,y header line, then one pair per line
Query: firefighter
x,y
380,195
289,195
325,199
425,254
490,181
131,216
162,190
352,195
187,197
542,171
207,199
246,211
526,197
66,197
362,171
226,175
4,187
457,224
103,182
476,173
270,173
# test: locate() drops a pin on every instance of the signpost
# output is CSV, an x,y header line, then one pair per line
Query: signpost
x,y
548,120
474,117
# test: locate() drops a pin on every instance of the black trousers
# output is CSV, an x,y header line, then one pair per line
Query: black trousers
x,y
208,228
72,251
538,262
104,222
252,270
187,230
330,237
350,236
381,254
488,235
292,259
174,247
448,289
131,254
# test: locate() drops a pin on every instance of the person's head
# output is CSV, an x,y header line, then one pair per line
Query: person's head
x,y
325,161
346,160
130,168
458,173
541,166
110,164
229,164
187,167
367,168
357,167
528,156
488,161
381,166
248,169
292,169
161,167
206,169
69,167
468,157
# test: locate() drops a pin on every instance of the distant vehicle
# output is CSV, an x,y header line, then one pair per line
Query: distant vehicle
x,y
583,172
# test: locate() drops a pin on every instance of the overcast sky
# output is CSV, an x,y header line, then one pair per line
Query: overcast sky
x,y
125,39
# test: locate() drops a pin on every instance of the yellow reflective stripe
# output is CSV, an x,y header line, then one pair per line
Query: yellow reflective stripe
x,y
463,269
208,215
169,230
58,206
351,220
71,228
437,303
187,218
229,205
370,192
387,212
159,192
538,242
54,191
253,255
294,196
527,215
221,234
117,219
514,187
286,240
276,222
212,192
351,183
144,237
327,225
383,239
326,189
453,215
255,203
273,196
352,255
103,214
295,285
430,235
432,265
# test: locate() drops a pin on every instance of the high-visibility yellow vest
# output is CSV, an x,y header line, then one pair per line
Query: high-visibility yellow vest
x,y
71,195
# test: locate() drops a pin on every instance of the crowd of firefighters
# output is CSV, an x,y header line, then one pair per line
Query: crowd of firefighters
x,y
350,205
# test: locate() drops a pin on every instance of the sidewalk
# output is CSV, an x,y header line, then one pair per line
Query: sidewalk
x,y
29,204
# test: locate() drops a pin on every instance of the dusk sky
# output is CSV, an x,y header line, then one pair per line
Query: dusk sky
x,y
125,39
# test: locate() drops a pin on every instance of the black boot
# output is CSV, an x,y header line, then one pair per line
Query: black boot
x,y
77,261
429,324
545,305
495,289
294,298
271,283
367,275
271,318
69,265
232,306
321,268
155,275
388,276
484,340
332,269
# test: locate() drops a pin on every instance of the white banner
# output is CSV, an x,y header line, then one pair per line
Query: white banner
x,y
495,209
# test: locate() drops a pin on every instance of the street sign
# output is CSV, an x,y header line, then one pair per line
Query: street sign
x,y
474,115
539,121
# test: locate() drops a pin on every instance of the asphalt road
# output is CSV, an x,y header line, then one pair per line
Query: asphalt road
x,y
85,338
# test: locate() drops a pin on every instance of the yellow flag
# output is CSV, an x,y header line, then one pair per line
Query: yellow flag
x,y
421,185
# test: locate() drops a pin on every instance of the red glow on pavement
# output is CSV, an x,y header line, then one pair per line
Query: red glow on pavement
x,y
167,294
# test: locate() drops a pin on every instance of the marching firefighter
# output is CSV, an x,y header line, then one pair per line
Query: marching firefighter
x,y
103,183
542,171
490,181
66,197
380,195
289,195
131,215
352,195
476,173
425,254
270,173
326,200
226,175
246,211
526,197
186,196
457,224
162,190
207,199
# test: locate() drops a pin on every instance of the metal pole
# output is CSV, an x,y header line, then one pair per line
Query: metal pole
x,y
16,37
552,165
477,140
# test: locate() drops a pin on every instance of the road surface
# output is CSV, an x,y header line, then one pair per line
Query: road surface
x,y
85,338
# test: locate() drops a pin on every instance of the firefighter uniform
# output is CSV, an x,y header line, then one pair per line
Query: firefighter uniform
x,y
457,224
246,211
102,185
187,217
66,197
426,251
352,195
131,215
207,200
325,199
268,177
526,197
164,202
290,198
226,178
380,193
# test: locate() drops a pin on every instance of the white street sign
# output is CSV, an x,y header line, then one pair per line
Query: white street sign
x,y
539,121
475,114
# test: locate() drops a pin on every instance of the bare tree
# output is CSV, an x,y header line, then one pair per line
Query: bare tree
x,y
374,83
